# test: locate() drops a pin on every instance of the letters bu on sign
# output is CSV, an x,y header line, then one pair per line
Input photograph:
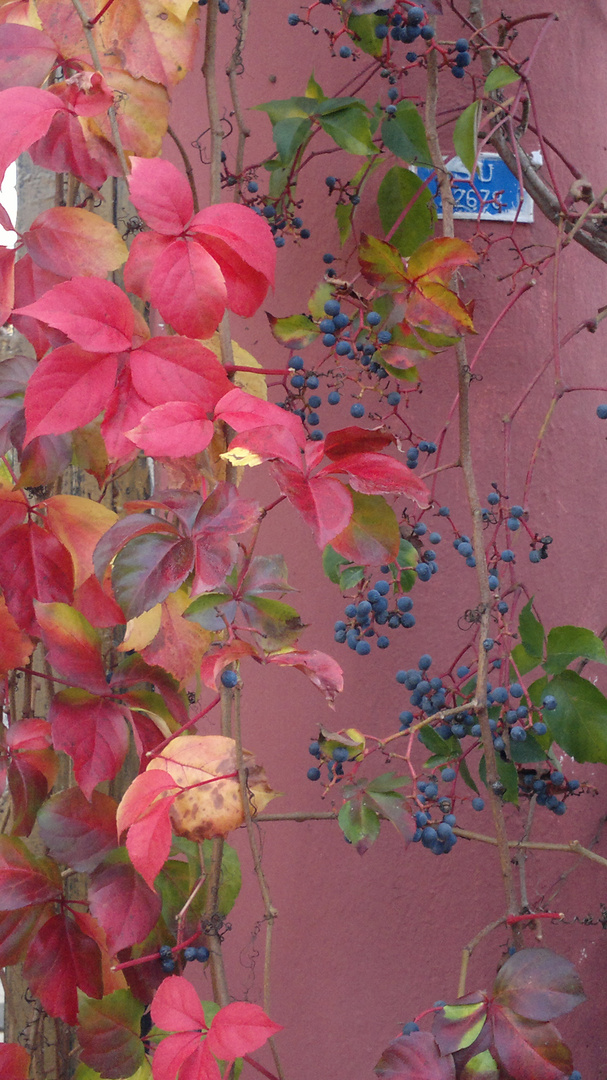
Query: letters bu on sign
x,y
494,195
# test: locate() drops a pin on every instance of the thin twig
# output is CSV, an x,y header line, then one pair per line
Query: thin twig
x,y
187,166
233,70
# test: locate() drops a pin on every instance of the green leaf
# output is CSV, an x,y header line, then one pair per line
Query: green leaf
x,y
318,299
279,175
340,104
531,631
230,880
283,110
405,135
388,782
331,563
407,554
398,187
363,28
289,135
294,331
567,643
443,750
350,577
204,603
110,1026
508,775
502,75
358,822
277,624
465,134
313,90
344,212
579,722
481,1067
533,748
349,128
523,660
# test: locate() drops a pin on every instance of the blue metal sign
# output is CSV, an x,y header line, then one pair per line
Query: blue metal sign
x,y
495,194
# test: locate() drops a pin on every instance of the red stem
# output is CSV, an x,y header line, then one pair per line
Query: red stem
x,y
260,1068
100,14
188,724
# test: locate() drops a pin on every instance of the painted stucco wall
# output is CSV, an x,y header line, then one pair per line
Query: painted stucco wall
x,y
364,944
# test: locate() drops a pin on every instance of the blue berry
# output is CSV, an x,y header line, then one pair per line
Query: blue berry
x,y
478,804
507,555
535,556
314,748
462,671
333,398
573,785
296,362
462,45
313,773
447,775
502,607
428,33
409,1028
297,382
404,603
493,498
518,733
462,59
343,348
425,662
252,186
357,410
516,690
314,401
305,234
458,72
340,754
384,336
168,965
406,717
229,679
420,529
381,31
393,398
556,778
464,549
488,644
345,52
293,20
363,648
407,620
383,642
539,728
373,318
494,582
332,308
549,702
312,382
341,320
516,511
313,419
423,572
279,241
429,836
414,16
601,412
202,954
165,952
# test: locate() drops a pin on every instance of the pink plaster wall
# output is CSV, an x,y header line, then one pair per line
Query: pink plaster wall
x,y
362,945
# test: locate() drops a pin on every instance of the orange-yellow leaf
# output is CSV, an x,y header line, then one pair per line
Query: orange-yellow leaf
x,y
437,259
79,524
434,307
70,241
179,644
212,806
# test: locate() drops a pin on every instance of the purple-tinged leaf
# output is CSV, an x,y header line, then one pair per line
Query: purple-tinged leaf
x,y
414,1057
538,984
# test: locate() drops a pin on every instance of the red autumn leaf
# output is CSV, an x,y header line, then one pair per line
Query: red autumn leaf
x,y
148,568
95,603
69,388
71,242
31,282
320,668
17,928
125,530
79,524
184,1056
93,731
66,148
381,263
244,412
177,1007
96,315
188,288
77,832
60,959
356,440
14,1061
529,1050
179,645
414,1057
161,194
29,736
222,516
123,904
242,243
73,646
146,248
437,259
123,411
13,508
133,671
239,1028
178,369
144,811
7,283
378,474
28,787
538,984
33,566
177,429
25,115
24,880
15,646
324,503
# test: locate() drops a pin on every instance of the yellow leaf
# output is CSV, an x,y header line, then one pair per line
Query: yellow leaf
x,y
79,524
239,455
141,630
245,380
